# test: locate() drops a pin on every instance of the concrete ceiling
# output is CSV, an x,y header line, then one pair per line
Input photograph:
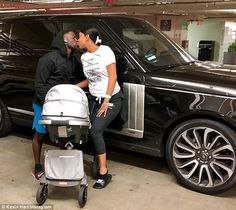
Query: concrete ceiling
x,y
199,8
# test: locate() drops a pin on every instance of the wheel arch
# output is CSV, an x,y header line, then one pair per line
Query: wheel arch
x,y
4,104
5,119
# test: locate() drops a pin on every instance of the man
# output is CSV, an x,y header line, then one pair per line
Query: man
x,y
56,67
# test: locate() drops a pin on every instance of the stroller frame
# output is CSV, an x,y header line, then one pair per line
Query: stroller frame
x,y
65,120
61,130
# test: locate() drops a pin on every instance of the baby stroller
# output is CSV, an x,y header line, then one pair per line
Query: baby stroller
x,y
66,116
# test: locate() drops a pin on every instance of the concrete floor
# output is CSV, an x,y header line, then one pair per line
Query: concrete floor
x,y
139,182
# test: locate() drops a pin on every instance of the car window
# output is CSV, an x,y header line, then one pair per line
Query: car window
x,y
4,40
27,37
153,49
121,62
83,25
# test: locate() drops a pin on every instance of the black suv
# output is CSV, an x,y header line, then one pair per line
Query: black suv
x,y
177,107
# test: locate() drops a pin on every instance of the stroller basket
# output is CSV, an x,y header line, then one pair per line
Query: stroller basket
x,y
64,165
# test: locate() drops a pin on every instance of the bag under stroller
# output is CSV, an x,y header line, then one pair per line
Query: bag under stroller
x,y
66,116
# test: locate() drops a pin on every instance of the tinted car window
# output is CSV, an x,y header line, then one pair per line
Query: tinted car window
x,y
27,37
152,48
86,25
121,61
4,40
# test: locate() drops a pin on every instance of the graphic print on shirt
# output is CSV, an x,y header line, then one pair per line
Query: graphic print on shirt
x,y
95,69
91,68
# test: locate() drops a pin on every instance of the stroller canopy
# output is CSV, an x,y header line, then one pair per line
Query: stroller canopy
x,y
66,101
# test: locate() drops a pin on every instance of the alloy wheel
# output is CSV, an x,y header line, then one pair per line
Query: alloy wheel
x,y
204,157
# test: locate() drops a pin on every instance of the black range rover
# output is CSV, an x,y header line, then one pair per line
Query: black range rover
x,y
177,107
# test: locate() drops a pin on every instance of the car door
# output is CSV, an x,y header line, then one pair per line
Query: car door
x,y
25,40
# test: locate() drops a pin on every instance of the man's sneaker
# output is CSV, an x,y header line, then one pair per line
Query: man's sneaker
x,y
103,181
38,175
38,172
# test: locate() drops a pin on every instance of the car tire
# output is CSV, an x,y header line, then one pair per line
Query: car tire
x,y
5,120
202,155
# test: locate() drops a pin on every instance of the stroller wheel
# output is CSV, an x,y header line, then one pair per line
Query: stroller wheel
x,y
82,198
42,193
95,168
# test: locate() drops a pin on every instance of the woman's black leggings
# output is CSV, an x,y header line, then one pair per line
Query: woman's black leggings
x,y
99,124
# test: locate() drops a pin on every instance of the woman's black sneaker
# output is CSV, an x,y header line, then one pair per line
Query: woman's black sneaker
x,y
103,181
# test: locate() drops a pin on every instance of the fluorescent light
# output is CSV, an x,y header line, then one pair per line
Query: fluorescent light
x,y
22,10
225,10
71,8
51,1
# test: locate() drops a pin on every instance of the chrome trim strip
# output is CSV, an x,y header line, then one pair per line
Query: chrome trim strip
x,y
192,92
22,111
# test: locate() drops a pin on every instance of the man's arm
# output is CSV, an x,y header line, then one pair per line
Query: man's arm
x,y
82,84
43,72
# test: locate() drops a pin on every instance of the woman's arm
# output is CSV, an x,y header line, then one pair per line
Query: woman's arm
x,y
82,84
112,78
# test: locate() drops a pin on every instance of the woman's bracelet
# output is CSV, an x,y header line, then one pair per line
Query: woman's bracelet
x,y
108,104
107,96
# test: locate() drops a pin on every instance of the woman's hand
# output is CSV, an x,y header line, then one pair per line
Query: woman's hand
x,y
103,110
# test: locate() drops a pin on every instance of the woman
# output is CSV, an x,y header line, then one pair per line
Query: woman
x,y
99,66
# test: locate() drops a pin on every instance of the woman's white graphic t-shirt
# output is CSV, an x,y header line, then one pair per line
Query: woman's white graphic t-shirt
x,y
94,67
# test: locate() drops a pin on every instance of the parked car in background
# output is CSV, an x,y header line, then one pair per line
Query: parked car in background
x,y
178,108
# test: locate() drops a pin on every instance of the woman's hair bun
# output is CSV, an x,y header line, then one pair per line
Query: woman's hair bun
x,y
94,35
